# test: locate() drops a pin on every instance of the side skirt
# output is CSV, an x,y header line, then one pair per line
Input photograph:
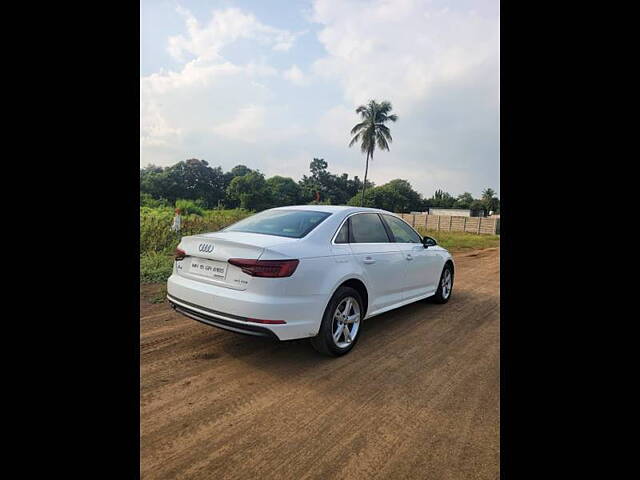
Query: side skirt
x,y
399,304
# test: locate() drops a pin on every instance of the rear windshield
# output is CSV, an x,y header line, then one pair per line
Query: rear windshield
x,y
283,223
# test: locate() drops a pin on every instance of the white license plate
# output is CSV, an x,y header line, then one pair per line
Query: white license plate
x,y
207,268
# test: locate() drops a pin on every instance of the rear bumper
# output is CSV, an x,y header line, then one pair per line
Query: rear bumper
x,y
233,309
218,320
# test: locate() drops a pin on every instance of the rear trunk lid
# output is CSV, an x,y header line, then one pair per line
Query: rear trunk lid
x,y
207,256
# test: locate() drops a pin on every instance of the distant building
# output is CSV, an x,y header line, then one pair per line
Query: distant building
x,y
454,212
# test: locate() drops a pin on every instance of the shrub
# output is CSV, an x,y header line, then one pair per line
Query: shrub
x,y
155,267
189,207
146,200
156,235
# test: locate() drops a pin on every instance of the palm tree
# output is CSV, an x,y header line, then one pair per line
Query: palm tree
x,y
489,199
488,194
371,131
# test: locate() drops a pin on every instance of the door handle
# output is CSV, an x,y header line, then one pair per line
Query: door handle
x,y
409,256
369,260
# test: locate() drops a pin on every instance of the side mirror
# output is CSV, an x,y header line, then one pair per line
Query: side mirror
x,y
428,242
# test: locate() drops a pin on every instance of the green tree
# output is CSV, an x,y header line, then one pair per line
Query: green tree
x,y
395,196
240,170
488,193
250,191
477,207
464,200
191,179
150,169
350,186
490,201
317,184
152,182
237,171
283,191
343,188
372,131
441,199
405,197
146,200
324,187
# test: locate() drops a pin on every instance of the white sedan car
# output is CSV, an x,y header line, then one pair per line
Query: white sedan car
x,y
307,271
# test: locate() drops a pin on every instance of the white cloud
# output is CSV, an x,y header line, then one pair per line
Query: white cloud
x,y
210,97
295,75
399,49
195,73
157,131
193,100
225,27
244,126
334,125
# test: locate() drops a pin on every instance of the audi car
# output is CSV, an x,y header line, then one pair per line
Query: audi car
x,y
310,271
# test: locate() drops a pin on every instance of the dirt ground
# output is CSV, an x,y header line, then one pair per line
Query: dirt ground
x,y
419,396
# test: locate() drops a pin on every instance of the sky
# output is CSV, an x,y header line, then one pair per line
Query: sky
x,y
273,84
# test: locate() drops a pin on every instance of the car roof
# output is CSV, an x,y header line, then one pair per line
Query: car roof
x,y
330,208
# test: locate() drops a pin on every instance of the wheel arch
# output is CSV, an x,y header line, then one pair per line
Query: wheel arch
x,y
449,262
358,285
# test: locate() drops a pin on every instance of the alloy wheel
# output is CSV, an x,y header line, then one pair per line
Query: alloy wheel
x,y
446,283
346,322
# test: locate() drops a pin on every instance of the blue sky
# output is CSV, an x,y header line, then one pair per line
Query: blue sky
x,y
273,84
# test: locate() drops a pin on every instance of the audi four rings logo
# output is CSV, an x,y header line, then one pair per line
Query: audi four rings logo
x,y
205,247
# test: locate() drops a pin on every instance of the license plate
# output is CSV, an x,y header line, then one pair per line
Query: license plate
x,y
208,268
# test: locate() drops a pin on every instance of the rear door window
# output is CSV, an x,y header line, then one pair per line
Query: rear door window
x,y
367,228
402,232
343,234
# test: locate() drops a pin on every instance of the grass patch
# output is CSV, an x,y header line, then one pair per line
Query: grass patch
x,y
158,242
155,223
160,296
155,267
153,293
462,240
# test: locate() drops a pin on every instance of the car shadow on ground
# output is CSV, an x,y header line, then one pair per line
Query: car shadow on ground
x,y
278,357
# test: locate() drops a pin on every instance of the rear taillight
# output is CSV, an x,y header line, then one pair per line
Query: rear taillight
x,y
180,254
266,268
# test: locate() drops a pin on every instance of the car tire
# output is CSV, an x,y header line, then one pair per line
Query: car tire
x,y
334,321
443,294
